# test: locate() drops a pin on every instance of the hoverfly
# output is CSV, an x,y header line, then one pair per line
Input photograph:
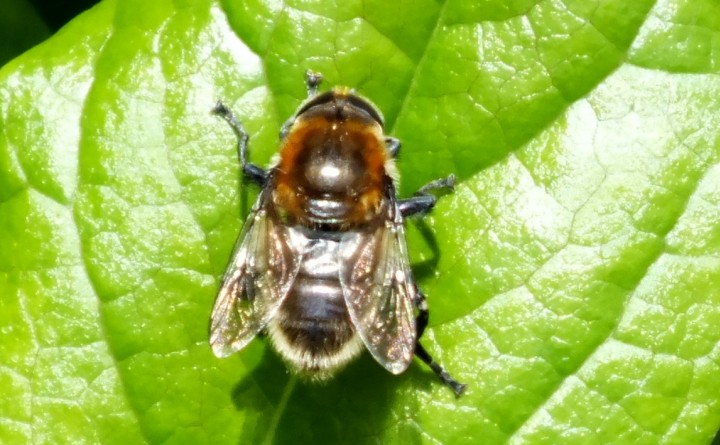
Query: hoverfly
x,y
321,263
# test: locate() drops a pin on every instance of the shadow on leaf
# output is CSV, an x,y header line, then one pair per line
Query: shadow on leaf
x,y
353,407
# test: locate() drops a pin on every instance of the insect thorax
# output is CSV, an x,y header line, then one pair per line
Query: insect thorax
x,y
332,171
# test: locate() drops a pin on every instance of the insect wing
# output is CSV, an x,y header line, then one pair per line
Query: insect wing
x,y
379,290
261,271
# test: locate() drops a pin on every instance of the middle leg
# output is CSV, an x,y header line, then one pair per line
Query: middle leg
x,y
423,201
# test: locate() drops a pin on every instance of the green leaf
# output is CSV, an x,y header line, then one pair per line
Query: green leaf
x,y
573,276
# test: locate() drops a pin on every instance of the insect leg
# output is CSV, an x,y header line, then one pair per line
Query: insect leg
x,y
393,145
422,201
285,129
250,171
312,81
421,323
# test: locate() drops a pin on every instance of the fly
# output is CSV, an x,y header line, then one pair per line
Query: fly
x,y
321,264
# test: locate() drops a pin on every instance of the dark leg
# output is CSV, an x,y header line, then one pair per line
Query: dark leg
x,y
285,129
421,323
422,201
312,81
250,171
393,145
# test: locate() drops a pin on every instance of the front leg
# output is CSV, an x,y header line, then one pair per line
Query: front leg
x,y
312,82
422,201
393,145
250,171
421,323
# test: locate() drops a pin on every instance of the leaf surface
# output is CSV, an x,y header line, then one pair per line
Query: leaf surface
x,y
573,276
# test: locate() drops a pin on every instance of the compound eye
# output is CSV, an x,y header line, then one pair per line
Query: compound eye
x,y
366,107
320,99
334,102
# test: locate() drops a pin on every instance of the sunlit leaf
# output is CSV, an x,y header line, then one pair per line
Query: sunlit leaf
x,y
573,277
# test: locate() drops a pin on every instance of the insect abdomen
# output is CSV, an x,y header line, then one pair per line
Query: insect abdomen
x,y
312,329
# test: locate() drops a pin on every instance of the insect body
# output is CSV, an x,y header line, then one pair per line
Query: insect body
x,y
321,263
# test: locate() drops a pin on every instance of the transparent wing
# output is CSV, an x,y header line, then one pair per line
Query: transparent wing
x,y
263,266
379,290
